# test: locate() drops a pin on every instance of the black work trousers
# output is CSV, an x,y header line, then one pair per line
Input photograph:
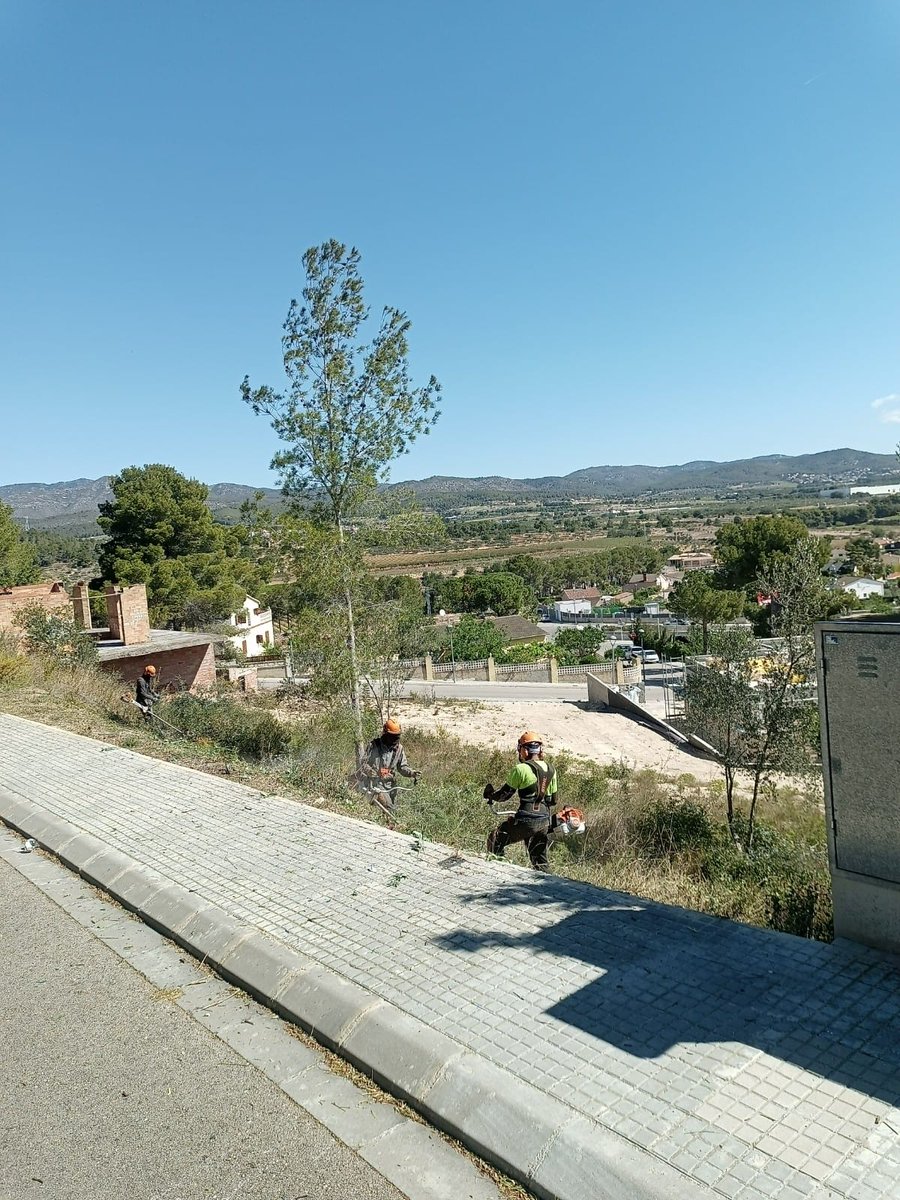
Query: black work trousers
x,y
534,833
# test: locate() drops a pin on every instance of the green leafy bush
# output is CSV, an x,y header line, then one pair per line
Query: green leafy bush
x,y
249,732
669,827
55,635
802,907
13,668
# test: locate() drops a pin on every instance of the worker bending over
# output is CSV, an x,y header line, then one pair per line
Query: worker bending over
x,y
145,695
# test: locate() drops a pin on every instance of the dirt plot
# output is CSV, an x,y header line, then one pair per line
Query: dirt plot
x,y
603,737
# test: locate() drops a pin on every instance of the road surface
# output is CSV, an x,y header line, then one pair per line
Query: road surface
x,y
110,1089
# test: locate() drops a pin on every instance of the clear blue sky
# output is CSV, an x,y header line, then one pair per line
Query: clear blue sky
x,y
624,232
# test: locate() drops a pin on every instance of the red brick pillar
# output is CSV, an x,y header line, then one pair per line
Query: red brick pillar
x,y
81,605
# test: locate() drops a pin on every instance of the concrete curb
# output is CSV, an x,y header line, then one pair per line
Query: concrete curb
x,y
554,1151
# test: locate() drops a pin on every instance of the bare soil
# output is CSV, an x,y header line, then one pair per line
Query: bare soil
x,y
602,737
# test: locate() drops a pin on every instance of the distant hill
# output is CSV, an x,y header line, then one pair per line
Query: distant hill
x,y
829,468
75,502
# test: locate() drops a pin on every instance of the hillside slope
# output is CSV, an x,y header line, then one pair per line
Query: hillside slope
x,y
76,500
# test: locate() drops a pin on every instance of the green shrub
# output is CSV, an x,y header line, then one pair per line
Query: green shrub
x,y
669,827
13,668
249,732
55,635
802,907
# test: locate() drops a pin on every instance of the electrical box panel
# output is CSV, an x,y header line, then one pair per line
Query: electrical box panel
x,y
859,692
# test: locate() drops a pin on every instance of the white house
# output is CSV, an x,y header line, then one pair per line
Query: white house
x,y
255,629
578,607
863,588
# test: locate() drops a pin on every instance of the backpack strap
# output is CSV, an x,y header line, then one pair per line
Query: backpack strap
x,y
542,778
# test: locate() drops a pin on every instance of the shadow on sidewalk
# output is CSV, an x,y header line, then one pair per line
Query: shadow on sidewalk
x,y
670,976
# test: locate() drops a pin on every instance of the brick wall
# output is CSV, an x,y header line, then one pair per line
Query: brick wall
x,y
126,609
52,597
192,667
81,605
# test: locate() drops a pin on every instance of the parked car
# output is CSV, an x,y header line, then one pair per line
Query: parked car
x,y
647,656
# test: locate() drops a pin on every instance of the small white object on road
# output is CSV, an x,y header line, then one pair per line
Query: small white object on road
x,y
27,847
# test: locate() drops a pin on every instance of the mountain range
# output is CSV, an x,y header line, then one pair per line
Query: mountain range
x,y
75,502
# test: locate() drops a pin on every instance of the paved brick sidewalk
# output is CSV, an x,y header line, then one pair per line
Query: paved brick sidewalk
x,y
756,1064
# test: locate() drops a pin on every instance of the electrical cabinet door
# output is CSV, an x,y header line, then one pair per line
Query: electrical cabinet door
x,y
862,710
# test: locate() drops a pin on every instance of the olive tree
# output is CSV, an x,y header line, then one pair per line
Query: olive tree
x,y
348,410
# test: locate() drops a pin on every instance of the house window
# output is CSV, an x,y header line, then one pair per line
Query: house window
x,y
259,639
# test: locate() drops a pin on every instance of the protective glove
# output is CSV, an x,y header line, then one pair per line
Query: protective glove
x,y
489,792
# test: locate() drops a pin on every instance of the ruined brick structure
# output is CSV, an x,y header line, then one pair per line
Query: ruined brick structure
x,y
181,668
81,605
126,609
52,597
184,660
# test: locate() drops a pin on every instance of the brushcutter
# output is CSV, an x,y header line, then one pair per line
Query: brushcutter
x,y
565,823
373,789
155,717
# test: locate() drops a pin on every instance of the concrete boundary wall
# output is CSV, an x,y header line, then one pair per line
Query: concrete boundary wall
x,y
609,696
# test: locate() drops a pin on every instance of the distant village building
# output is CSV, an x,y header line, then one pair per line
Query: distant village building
x,y
256,631
647,582
880,489
518,630
591,594
571,607
579,602
691,561
863,587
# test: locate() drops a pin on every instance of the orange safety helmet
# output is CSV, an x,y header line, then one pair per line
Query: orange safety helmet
x,y
530,743
149,669
392,727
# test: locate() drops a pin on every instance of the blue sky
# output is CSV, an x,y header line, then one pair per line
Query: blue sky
x,y
623,232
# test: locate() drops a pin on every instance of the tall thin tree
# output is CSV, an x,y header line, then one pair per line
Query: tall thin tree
x,y
349,409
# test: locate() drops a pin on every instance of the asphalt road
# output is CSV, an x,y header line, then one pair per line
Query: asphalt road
x,y
109,1091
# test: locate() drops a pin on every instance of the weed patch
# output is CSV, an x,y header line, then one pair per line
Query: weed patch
x,y
248,732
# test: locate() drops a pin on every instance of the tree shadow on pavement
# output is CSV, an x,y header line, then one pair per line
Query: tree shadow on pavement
x,y
671,976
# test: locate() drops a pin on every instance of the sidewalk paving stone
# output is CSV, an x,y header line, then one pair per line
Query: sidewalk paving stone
x,y
737,1061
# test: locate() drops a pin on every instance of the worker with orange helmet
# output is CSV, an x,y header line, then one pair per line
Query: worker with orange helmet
x,y
385,760
145,695
535,782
